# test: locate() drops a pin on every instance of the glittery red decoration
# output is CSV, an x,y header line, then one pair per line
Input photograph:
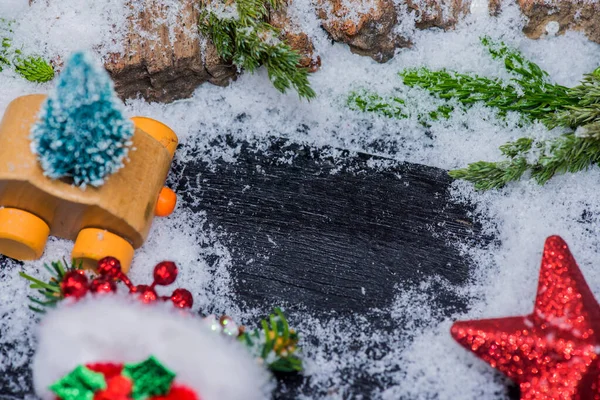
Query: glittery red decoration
x,y
146,293
107,369
178,392
103,284
550,353
74,284
118,388
182,298
165,273
109,267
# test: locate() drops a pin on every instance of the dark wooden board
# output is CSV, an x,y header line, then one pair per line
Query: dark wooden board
x,y
334,236
318,231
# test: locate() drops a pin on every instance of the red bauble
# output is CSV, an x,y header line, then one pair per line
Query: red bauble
x,y
74,284
146,293
182,298
550,353
165,273
103,284
109,267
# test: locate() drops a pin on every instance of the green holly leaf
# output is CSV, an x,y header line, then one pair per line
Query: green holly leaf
x,y
80,384
150,378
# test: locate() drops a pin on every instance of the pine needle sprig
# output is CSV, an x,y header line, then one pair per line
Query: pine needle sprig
x,y
591,131
515,62
393,107
274,343
530,93
492,175
32,68
242,36
586,107
567,153
533,101
50,291
4,53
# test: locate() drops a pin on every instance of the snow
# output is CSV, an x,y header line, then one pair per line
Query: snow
x,y
58,28
107,328
417,358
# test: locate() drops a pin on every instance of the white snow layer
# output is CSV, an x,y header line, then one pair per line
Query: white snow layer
x,y
120,329
417,358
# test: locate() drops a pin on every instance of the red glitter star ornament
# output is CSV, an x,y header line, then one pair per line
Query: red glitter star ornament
x,y
550,353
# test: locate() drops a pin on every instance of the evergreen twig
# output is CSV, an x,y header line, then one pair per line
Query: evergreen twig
x,y
276,344
528,92
241,36
32,68
50,290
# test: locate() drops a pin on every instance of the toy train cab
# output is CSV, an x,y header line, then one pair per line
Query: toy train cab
x,y
111,220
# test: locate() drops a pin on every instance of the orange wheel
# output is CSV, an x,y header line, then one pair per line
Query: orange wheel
x,y
94,244
23,235
167,200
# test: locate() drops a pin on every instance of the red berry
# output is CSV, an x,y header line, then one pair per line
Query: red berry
x,y
146,293
74,284
165,273
103,284
109,267
182,298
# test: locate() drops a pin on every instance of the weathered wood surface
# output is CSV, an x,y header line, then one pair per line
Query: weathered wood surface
x,y
320,239
315,238
164,60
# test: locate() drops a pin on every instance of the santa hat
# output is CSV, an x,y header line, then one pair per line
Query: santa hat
x,y
121,330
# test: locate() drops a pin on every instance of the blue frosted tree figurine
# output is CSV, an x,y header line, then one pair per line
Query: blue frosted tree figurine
x,y
82,132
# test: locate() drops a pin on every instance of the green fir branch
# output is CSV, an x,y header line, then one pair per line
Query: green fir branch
x,y
274,343
534,101
492,175
515,62
50,290
567,153
393,107
586,107
242,36
530,93
32,68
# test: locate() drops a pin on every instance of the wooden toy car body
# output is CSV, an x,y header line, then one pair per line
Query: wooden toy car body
x,y
109,220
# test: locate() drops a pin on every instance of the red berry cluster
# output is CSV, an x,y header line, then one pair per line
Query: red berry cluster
x,y
76,284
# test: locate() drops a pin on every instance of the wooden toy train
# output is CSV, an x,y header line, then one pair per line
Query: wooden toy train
x,y
113,219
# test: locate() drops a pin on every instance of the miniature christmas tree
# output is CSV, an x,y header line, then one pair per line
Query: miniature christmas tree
x,y
82,133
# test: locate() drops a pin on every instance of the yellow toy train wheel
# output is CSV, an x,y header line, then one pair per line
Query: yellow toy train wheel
x,y
23,235
159,131
94,244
